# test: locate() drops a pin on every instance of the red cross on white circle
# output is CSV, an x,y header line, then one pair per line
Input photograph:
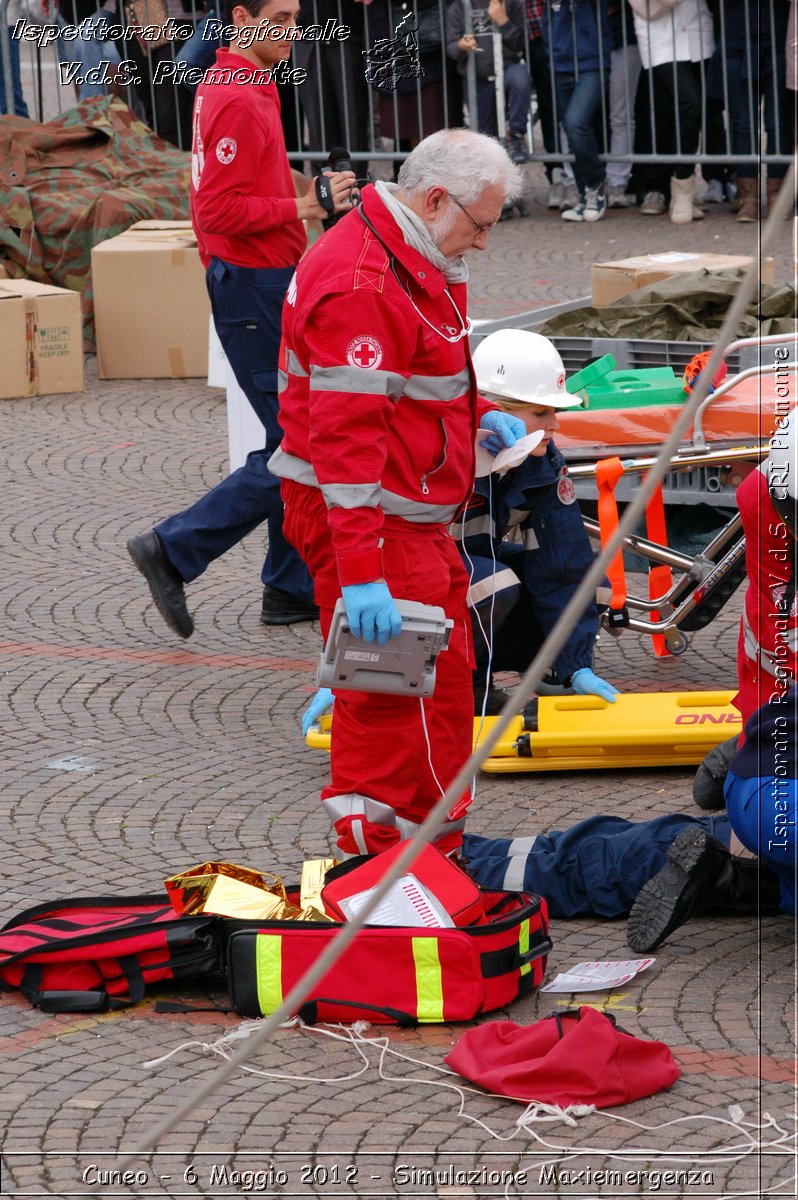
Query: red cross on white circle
x,y
364,352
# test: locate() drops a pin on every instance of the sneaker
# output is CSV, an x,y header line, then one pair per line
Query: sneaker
x,y
595,203
571,197
713,193
653,204
618,197
574,214
556,190
517,148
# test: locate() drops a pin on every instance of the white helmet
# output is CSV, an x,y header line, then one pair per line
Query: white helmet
x,y
782,469
515,364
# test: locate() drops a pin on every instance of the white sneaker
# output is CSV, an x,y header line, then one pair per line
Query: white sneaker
x,y
618,197
653,204
575,214
571,197
713,193
595,203
556,192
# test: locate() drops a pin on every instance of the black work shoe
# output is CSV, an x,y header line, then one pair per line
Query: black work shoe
x,y
711,775
281,608
698,875
166,585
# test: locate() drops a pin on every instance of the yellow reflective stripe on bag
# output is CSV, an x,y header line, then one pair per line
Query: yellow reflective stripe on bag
x,y
523,946
429,981
269,972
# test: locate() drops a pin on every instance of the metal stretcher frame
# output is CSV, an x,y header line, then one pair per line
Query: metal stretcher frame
x,y
706,580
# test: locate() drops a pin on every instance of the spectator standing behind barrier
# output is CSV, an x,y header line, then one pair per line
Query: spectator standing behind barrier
x,y
417,107
624,75
334,97
508,17
521,536
249,230
380,413
96,56
540,70
579,41
15,94
165,102
675,38
752,37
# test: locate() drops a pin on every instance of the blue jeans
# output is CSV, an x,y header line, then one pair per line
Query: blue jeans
x,y
20,107
763,813
596,867
247,308
199,50
517,93
90,49
577,103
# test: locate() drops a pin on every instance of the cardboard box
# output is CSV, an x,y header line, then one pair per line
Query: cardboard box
x,y
151,305
611,280
41,339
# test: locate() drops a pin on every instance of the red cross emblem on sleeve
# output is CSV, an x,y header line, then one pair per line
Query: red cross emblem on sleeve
x,y
364,352
226,149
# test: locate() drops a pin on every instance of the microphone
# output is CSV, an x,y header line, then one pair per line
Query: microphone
x,y
339,159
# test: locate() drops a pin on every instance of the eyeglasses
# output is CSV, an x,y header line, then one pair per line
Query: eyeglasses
x,y
478,226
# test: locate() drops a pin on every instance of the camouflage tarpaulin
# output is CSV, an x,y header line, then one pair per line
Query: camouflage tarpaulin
x,y
76,181
684,308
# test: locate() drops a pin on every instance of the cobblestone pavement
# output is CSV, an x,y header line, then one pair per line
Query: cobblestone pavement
x,y
129,755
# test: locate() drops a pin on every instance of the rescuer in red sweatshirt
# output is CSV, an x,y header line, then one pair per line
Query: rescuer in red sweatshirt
x,y
250,235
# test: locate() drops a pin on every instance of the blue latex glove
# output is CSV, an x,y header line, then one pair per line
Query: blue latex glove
x,y
321,703
371,611
587,683
506,430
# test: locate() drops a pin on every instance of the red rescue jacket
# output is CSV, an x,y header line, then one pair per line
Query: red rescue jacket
x,y
378,399
243,205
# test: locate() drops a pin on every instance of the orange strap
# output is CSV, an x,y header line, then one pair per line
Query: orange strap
x,y
608,472
659,575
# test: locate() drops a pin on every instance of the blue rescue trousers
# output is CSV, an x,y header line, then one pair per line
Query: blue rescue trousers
x,y
247,305
595,868
763,813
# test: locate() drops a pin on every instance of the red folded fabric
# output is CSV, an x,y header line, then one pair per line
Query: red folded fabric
x,y
577,1057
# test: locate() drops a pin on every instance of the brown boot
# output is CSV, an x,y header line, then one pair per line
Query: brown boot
x,y
749,209
773,189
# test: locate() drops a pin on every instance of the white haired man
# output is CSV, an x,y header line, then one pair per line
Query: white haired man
x,y
380,412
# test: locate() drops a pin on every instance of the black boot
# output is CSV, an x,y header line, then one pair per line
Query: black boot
x,y
711,775
699,876
496,699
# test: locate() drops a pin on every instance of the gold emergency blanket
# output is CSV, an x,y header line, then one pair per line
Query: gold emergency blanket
x,y
228,890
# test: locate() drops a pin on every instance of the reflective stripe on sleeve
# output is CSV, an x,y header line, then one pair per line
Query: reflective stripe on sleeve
x,y
437,387
357,380
288,466
293,365
491,585
351,495
429,979
269,971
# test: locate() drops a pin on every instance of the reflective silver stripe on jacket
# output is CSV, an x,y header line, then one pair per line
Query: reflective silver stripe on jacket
x,y
293,365
416,510
288,466
351,495
768,661
358,380
517,854
483,589
282,380
437,387
473,526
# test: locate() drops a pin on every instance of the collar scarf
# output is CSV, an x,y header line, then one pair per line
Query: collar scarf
x,y
417,236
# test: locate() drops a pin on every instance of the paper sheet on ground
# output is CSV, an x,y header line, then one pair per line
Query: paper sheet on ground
x,y
511,456
597,976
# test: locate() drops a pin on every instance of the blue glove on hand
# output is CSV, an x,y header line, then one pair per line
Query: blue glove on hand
x,y
505,428
371,610
321,703
587,683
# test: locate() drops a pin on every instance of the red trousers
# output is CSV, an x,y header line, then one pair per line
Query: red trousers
x,y
384,778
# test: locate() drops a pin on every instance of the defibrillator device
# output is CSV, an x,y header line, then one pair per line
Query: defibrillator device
x,y
404,666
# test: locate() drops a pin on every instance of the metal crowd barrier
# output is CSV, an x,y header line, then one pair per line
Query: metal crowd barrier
x,y
639,118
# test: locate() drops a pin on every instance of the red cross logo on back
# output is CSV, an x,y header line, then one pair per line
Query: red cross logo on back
x,y
364,352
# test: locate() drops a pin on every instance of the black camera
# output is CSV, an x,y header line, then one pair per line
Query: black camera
x,y
338,160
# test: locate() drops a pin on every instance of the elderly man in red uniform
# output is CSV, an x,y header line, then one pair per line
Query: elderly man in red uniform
x,y
380,413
